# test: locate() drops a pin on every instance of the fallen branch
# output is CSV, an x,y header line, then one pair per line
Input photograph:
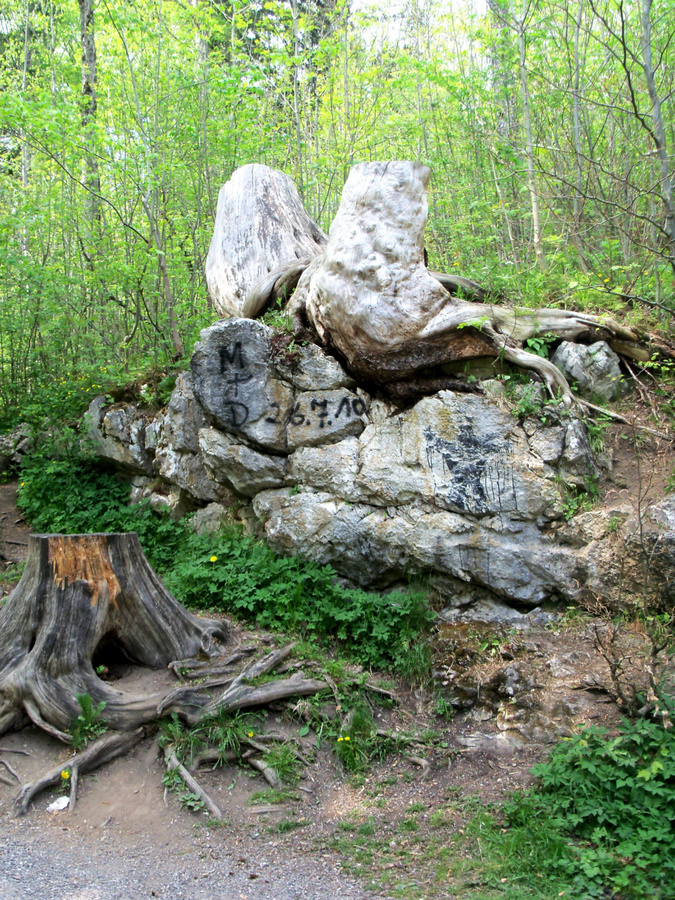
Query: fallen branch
x,y
421,763
172,764
617,418
74,779
266,770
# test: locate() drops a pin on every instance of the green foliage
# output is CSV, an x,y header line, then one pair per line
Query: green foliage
x,y
223,731
580,498
271,796
284,762
614,800
287,825
88,725
596,429
540,344
63,490
292,594
173,781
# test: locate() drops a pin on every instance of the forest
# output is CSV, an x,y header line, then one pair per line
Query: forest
x,y
548,128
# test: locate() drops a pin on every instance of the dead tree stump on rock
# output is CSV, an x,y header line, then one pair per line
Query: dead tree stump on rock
x,y
78,592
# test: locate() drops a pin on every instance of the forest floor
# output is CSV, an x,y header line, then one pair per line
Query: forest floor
x,y
393,832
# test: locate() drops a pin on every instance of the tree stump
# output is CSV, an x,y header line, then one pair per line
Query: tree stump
x,y
77,593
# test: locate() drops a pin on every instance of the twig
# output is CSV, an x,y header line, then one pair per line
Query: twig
x,y
376,689
421,763
617,418
267,772
74,778
12,771
213,755
172,763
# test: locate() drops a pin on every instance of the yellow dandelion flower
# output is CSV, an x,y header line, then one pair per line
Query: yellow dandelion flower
x,y
347,738
65,774
340,739
214,559
250,734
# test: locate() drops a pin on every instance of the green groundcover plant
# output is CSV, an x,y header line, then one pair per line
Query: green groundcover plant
x,y
612,798
63,490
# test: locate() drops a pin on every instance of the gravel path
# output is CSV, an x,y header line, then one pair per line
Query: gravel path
x,y
50,864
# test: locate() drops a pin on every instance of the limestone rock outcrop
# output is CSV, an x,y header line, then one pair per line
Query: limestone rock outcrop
x,y
456,488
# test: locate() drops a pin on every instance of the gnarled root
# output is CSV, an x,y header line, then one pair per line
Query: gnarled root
x,y
97,754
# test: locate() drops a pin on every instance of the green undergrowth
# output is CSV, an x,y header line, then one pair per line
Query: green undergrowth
x,y
599,822
62,490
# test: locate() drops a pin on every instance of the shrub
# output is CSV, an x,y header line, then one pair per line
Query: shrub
x,y
614,798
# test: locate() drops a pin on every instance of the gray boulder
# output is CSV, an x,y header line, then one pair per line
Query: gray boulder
x,y
244,392
178,459
14,445
117,433
595,369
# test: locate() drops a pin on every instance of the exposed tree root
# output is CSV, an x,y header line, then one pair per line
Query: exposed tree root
x,y
97,754
193,704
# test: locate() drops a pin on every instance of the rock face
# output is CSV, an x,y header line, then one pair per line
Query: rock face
x,y
14,445
260,225
455,488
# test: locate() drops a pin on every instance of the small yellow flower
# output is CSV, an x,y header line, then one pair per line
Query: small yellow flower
x,y
347,737
214,559
606,280
22,483
65,774
250,734
340,739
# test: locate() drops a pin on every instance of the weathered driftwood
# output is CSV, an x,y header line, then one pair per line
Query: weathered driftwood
x,y
261,225
172,763
370,297
78,593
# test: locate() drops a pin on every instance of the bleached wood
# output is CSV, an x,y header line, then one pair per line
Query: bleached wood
x,y
261,227
370,296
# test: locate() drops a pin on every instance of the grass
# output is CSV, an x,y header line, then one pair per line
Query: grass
x,y
272,796
460,851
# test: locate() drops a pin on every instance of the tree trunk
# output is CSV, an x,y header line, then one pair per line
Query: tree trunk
x,y
77,593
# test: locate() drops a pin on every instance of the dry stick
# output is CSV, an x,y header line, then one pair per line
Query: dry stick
x,y
267,772
6,780
3,762
210,672
173,763
97,754
74,778
12,750
644,394
421,763
617,418
376,689
212,756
